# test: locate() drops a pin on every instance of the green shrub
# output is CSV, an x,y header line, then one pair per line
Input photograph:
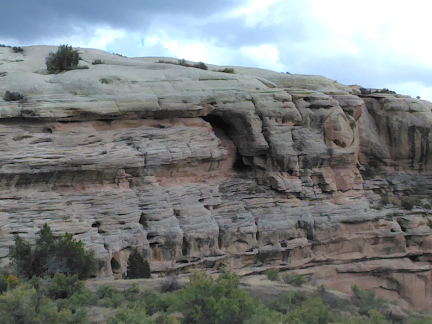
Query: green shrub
x,y
137,267
95,62
59,286
134,314
21,258
385,90
421,321
132,293
13,96
183,62
164,318
294,279
16,49
265,316
313,310
365,300
287,302
201,66
170,284
156,302
272,274
220,301
8,282
24,305
64,59
227,70
109,297
78,300
51,255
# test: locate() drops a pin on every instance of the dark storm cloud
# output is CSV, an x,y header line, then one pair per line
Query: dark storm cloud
x,y
29,20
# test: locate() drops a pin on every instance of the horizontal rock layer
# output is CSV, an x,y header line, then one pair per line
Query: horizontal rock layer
x,y
200,168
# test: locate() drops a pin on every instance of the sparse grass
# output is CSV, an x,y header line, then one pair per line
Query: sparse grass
x,y
95,62
183,62
272,274
105,81
294,279
170,284
371,91
66,300
405,202
226,70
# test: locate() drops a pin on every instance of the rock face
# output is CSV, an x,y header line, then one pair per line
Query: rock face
x,y
200,168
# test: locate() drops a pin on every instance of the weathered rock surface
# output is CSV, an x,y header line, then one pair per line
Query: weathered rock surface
x,y
200,168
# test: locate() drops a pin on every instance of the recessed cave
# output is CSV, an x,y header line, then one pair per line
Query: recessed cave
x,y
414,258
218,122
96,224
115,265
143,221
224,130
220,242
185,247
239,165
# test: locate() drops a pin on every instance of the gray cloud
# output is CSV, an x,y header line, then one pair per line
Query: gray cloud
x,y
29,20
305,44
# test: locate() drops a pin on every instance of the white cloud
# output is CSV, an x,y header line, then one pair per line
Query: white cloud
x,y
190,51
94,37
266,56
371,43
412,89
255,13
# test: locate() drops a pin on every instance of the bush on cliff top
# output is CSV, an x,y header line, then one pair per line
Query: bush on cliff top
x,y
64,59
13,96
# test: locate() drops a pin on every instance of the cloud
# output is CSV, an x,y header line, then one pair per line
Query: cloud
x,y
374,44
29,20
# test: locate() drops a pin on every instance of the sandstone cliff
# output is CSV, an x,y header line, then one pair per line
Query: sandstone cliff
x,y
202,169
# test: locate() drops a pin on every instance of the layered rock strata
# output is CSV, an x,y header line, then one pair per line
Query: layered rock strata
x,y
200,168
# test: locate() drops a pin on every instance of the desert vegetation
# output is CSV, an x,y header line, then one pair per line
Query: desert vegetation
x,y
183,62
226,70
13,96
370,91
66,58
65,299
45,286
17,49
98,61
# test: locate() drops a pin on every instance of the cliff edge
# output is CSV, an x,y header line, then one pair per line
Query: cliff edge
x,y
200,168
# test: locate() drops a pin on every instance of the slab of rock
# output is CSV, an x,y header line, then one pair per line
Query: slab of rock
x,y
200,169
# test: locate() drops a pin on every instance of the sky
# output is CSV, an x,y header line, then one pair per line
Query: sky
x,y
372,43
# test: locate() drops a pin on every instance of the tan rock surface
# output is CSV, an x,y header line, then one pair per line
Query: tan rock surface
x,y
201,168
